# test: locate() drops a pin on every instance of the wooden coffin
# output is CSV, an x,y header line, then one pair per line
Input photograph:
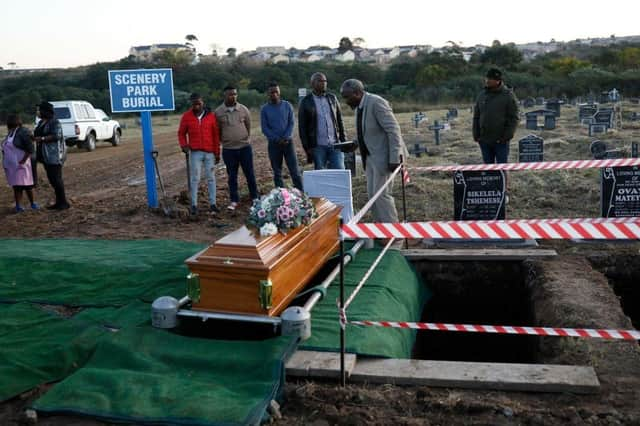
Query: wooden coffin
x,y
231,270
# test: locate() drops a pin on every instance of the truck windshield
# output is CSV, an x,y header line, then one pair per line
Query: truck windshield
x,y
62,112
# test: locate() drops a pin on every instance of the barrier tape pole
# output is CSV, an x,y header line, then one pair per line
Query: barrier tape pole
x,y
343,375
365,209
541,165
557,229
368,274
507,329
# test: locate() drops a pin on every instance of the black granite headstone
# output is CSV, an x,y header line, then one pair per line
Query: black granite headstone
x,y
479,195
634,149
620,191
530,148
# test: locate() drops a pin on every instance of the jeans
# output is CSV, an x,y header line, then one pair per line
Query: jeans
x,y
54,174
197,159
276,153
325,157
234,158
494,153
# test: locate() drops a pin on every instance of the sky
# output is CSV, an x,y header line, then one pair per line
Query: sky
x,y
65,33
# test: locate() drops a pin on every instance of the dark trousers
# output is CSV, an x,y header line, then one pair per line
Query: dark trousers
x,y
494,153
54,174
234,158
276,153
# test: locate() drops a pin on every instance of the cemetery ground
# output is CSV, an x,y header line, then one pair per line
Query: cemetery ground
x,y
107,191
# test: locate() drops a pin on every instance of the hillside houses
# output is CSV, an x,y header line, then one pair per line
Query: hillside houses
x,y
145,53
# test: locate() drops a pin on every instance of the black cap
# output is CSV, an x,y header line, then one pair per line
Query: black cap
x,y
494,74
45,106
195,97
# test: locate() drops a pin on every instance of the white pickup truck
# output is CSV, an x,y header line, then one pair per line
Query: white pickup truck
x,y
83,125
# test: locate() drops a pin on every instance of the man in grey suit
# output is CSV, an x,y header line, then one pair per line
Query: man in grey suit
x,y
380,142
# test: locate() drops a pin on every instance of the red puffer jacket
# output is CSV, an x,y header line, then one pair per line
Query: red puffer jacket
x,y
199,136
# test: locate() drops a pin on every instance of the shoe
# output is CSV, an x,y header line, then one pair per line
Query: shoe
x,y
34,206
193,210
232,206
52,207
64,206
19,209
214,209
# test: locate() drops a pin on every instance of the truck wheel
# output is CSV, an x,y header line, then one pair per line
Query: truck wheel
x,y
115,139
90,142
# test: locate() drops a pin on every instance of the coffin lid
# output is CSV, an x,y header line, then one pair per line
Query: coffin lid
x,y
245,247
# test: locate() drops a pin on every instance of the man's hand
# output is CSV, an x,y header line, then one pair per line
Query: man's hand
x,y
185,149
217,158
283,142
393,167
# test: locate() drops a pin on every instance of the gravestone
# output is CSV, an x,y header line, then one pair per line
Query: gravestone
x,y
634,116
586,111
532,121
417,118
453,113
598,149
604,116
529,103
549,121
620,191
479,195
614,95
417,149
530,149
553,105
595,128
634,149
540,101
604,97
635,101
436,127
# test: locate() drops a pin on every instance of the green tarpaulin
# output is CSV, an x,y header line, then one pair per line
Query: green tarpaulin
x,y
394,292
92,273
145,375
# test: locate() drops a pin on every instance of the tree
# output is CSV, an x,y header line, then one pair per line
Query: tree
x,y
231,52
502,55
345,44
358,42
566,65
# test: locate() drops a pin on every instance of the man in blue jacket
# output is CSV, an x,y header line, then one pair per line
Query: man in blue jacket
x,y
276,119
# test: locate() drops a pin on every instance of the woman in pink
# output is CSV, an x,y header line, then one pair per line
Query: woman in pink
x,y
17,149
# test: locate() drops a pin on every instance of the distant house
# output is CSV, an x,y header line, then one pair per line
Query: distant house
x,y
280,50
348,56
310,57
145,53
255,57
279,58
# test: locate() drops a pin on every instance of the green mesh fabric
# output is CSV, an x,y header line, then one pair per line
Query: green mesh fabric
x,y
394,292
145,375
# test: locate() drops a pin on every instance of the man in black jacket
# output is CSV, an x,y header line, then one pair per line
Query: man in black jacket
x,y
320,125
495,118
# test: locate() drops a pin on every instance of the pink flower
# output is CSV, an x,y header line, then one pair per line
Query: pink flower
x,y
262,214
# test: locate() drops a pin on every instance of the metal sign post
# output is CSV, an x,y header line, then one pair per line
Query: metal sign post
x,y
143,91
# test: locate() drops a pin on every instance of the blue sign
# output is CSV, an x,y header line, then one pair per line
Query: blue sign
x,y
141,90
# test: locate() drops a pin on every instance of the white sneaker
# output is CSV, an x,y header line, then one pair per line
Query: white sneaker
x,y
232,206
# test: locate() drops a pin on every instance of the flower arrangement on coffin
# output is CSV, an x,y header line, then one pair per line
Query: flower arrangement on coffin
x,y
282,210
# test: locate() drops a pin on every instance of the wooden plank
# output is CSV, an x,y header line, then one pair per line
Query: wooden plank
x,y
476,254
319,364
475,375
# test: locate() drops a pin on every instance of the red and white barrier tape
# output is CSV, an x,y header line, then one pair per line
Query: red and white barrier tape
x,y
504,329
545,229
542,165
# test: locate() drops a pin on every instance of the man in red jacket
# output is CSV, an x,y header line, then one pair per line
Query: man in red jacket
x,y
200,140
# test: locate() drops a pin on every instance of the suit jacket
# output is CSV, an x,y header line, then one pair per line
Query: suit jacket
x,y
308,120
381,132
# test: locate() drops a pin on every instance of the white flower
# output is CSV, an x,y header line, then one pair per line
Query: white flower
x,y
268,229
